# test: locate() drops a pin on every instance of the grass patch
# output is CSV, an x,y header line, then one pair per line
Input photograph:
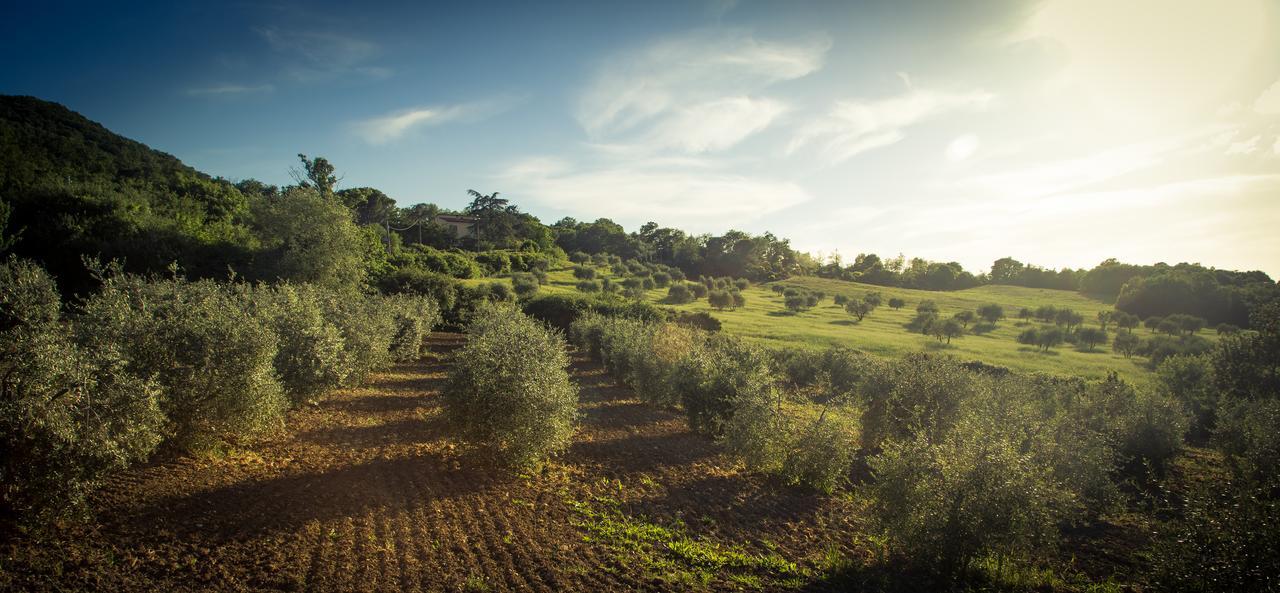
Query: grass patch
x,y
672,554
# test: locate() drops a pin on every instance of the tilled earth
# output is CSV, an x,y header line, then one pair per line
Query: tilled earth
x,y
366,491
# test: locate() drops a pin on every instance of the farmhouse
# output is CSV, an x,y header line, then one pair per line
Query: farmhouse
x,y
463,226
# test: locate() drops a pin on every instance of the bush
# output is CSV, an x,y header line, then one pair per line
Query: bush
x,y
919,393
208,347
712,379
697,320
560,311
1189,381
742,284
584,273
588,286
944,502
896,303
679,294
509,392
415,317
699,290
661,279
1249,433
1126,343
720,299
494,263
69,414
1227,540
525,287
309,355
442,289
739,300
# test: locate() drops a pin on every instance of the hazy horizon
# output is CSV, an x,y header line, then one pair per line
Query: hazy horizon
x,y
1059,132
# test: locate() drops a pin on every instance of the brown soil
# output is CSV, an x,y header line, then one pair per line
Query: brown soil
x,y
367,492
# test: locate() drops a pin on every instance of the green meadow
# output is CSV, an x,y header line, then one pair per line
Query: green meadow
x,y
884,333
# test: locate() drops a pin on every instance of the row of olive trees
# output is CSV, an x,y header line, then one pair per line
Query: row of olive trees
x,y
727,389
966,465
146,362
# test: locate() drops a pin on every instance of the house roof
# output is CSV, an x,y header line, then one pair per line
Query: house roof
x,y
453,218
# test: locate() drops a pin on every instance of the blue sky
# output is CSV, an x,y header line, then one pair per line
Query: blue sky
x,y
1060,132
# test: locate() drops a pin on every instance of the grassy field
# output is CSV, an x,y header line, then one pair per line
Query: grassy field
x,y
883,332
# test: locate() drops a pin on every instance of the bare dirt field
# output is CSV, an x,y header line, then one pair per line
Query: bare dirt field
x,y
366,491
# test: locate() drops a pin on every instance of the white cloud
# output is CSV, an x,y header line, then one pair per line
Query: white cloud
x,y
386,128
1268,103
1249,146
694,197
230,89
656,93
854,127
962,148
714,125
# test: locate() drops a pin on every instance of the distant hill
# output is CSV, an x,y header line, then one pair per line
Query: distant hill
x,y
76,188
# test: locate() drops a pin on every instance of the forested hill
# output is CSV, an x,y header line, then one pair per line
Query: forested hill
x,y
73,188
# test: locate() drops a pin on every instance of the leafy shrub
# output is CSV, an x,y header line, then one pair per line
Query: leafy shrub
x,y
560,311
1146,427
210,350
494,263
918,393
720,299
1189,380
584,273
661,279
509,392
450,263
697,320
699,290
710,380
414,316
742,284
943,502
525,286
1227,540
367,332
588,286
1158,348
821,453
69,414
679,294
1249,433
442,289
309,355
658,358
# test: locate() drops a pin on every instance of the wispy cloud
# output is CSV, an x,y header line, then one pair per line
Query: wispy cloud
x,y
393,126
854,127
697,92
1268,103
315,55
230,90
698,198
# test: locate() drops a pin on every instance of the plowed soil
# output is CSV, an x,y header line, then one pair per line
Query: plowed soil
x,y
366,491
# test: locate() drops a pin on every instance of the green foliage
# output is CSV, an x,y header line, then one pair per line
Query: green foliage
x,y
720,299
710,380
1126,343
69,413
367,329
1227,540
588,286
414,316
774,438
309,357
991,312
208,347
1189,380
679,293
897,303
309,238
1249,433
1090,338
584,272
919,393
944,501
509,393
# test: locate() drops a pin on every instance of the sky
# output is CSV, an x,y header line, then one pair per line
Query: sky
x,y
1059,132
